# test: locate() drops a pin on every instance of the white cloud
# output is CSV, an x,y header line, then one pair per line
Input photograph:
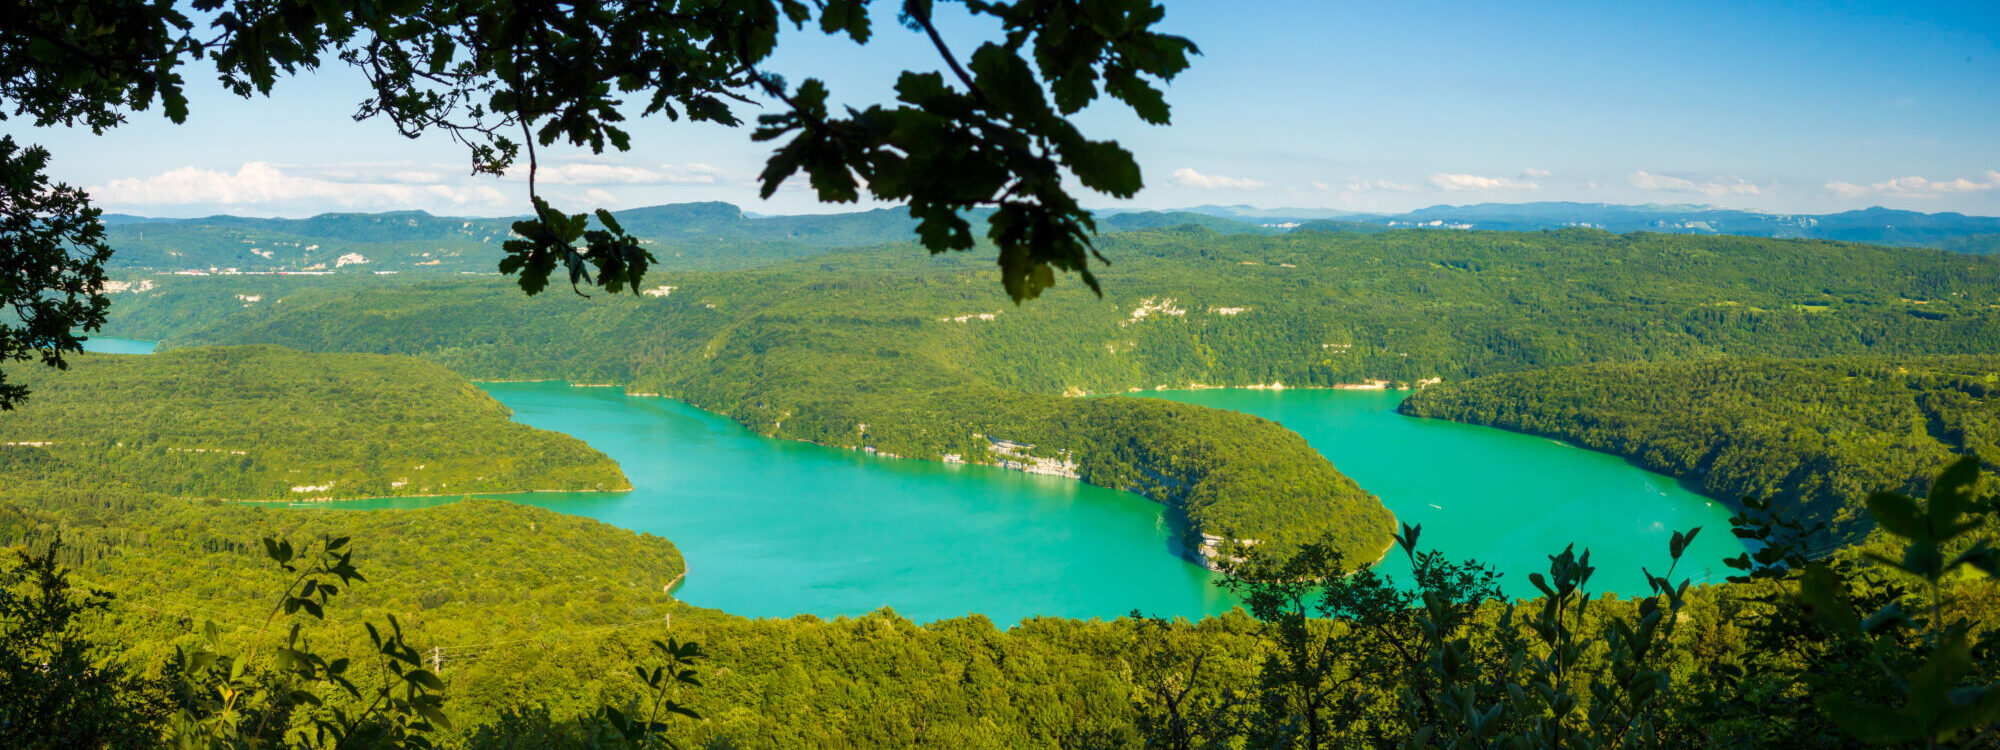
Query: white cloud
x,y
1916,187
1187,177
1448,181
1321,186
601,173
391,172
265,185
1534,174
1713,186
1649,181
1367,186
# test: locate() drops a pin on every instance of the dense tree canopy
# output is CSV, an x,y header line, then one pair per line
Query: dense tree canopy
x,y
1815,434
264,423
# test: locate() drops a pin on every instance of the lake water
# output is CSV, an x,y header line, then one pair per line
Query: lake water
x,y
108,345
775,528
1505,499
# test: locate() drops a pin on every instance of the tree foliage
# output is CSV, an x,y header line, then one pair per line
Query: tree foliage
x,y
264,423
1892,644
52,254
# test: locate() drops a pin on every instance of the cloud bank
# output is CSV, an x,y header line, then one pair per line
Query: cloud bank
x,y
599,173
1378,186
266,185
265,188
1467,182
1712,186
1187,177
1916,187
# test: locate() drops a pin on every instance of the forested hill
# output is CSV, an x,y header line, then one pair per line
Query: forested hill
x,y
264,423
516,599
717,236
924,357
1951,231
689,235
684,236
1820,434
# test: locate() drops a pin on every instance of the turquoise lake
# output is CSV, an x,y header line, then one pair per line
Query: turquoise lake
x,y
775,528
108,345
1505,499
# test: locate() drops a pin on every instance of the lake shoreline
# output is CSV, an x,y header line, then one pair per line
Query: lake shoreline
x,y
460,495
1188,549
1369,385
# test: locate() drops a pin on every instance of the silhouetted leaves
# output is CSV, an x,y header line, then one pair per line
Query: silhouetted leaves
x,y
52,254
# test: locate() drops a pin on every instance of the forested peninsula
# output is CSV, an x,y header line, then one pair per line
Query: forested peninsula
x,y
1818,434
267,423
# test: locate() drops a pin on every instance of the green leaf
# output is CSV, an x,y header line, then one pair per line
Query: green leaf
x,y
1823,590
850,16
920,88
1007,82
1951,495
796,12
435,715
610,222
1899,515
1889,616
1146,101
424,678
1104,166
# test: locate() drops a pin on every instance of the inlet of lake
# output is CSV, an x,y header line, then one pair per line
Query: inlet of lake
x,y
775,528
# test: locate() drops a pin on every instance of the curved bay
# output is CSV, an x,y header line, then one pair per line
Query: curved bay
x,y
1505,499
775,528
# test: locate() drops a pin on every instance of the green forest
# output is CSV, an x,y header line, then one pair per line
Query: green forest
x,y
175,573
515,626
934,361
266,423
531,623
1820,434
720,236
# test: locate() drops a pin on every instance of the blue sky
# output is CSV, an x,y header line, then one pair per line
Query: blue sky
x,y
1775,106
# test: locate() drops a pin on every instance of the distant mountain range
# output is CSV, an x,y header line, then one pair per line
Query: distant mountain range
x,y
704,236
713,236
1882,226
